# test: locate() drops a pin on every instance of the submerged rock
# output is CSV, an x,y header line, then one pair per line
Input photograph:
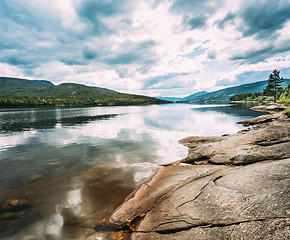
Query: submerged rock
x,y
219,199
14,215
14,205
270,108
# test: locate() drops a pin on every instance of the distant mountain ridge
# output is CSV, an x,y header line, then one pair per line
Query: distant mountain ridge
x,y
23,92
177,99
224,95
171,99
44,81
19,86
195,95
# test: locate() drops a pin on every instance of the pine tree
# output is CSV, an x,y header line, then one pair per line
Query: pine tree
x,y
274,84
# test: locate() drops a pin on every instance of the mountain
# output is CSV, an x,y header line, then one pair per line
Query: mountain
x,y
176,99
17,86
223,95
171,99
23,92
193,96
44,81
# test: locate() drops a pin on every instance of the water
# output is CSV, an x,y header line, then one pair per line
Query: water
x,y
73,166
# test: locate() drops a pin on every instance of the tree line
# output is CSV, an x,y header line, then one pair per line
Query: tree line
x,y
38,101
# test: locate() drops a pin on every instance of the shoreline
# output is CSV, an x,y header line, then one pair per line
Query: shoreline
x,y
226,188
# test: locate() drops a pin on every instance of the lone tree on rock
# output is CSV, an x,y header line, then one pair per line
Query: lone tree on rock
x,y
274,84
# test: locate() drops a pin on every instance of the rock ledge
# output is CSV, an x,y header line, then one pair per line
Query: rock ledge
x,y
232,187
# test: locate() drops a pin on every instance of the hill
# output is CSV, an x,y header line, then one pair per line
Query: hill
x,y
223,95
23,92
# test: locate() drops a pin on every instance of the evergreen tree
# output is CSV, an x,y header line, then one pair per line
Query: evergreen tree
x,y
286,93
274,84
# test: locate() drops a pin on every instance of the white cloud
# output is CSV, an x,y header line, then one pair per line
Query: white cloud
x,y
145,46
268,65
68,15
54,70
7,70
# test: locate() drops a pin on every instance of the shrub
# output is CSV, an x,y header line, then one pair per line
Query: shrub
x,y
287,112
285,101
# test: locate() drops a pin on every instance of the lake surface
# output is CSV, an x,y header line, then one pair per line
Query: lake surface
x,y
69,168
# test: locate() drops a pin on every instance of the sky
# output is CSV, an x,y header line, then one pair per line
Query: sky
x,y
148,47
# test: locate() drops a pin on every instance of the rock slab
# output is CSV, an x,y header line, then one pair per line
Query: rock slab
x,y
234,187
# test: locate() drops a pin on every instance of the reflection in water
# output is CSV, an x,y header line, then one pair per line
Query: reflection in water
x,y
70,206
75,166
34,119
232,110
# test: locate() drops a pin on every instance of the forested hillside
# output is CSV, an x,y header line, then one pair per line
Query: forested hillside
x,y
27,93
224,95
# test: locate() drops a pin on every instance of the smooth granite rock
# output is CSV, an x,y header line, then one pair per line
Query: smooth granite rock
x,y
240,190
194,203
270,107
244,147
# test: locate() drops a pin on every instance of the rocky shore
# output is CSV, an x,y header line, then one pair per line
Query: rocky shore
x,y
229,187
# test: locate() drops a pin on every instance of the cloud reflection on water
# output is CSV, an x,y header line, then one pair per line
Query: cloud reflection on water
x,y
134,135
131,145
